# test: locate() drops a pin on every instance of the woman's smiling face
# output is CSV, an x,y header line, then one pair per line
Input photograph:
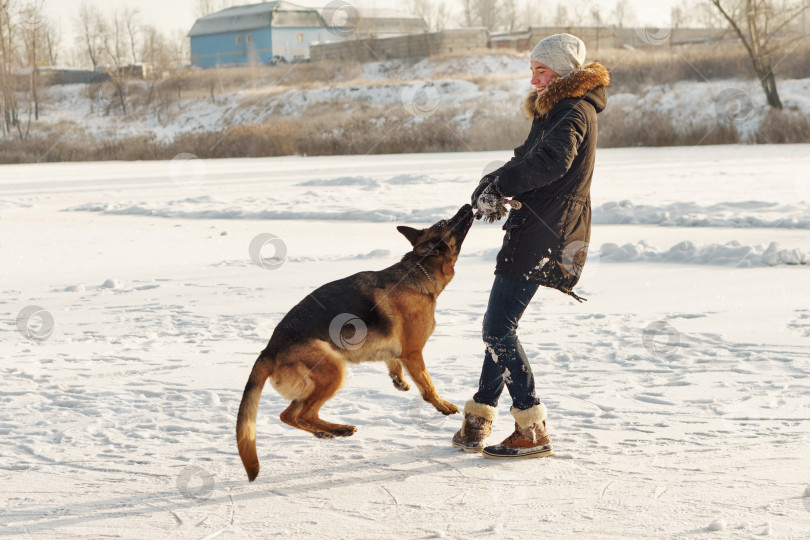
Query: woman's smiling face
x,y
541,75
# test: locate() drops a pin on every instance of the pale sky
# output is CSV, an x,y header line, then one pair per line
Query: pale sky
x,y
173,15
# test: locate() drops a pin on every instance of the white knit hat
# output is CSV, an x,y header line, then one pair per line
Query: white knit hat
x,y
561,52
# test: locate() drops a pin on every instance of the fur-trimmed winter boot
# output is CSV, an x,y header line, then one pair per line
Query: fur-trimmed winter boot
x,y
477,426
530,439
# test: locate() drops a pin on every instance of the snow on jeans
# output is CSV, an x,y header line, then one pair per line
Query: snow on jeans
x,y
505,361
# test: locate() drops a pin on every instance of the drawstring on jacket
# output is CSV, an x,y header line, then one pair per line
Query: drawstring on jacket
x,y
576,297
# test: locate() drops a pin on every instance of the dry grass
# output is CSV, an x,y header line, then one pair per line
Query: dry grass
x,y
631,71
336,134
780,127
205,82
657,128
328,130
241,141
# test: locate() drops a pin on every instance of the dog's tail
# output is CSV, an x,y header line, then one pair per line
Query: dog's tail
x,y
246,420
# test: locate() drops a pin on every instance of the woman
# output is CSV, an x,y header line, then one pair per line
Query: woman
x,y
546,238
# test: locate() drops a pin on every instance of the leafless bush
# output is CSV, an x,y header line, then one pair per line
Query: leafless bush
x,y
220,80
361,135
328,129
656,128
784,126
243,141
632,70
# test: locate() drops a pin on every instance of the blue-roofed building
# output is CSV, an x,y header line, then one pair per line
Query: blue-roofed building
x,y
257,33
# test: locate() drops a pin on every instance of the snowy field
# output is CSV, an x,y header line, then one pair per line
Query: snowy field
x,y
465,85
678,395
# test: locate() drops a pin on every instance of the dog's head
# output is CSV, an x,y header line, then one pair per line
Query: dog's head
x,y
441,242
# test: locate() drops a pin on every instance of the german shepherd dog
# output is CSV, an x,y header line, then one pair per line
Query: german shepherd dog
x,y
386,315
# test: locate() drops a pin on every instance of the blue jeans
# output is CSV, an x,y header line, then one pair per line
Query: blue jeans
x,y
505,361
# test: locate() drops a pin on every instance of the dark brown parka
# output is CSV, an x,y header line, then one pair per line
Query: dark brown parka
x,y
546,240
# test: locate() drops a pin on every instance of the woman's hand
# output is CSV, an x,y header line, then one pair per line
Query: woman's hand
x,y
491,204
482,185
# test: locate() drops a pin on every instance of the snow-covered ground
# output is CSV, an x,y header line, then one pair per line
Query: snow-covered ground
x,y
491,84
678,395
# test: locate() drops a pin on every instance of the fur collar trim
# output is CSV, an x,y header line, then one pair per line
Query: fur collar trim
x,y
574,85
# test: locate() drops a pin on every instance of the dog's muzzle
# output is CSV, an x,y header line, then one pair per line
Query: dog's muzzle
x,y
461,222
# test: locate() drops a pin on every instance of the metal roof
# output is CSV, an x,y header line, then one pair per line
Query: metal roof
x,y
388,22
384,13
256,16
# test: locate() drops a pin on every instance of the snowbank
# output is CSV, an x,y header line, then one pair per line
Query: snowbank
x,y
496,88
731,253
331,204
689,214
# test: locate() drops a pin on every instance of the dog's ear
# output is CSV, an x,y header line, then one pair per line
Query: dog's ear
x,y
410,233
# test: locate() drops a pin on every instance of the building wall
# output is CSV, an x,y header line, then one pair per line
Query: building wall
x,y
382,27
411,46
607,37
268,43
223,49
292,44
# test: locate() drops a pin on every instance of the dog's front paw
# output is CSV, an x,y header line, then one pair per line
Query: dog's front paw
x,y
446,407
345,431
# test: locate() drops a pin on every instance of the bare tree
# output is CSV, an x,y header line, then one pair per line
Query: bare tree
x,y
561,16
596,18
32,30
510,15
435,15
467,13
676,17
156,50
705,14
181,48
582,9
8,53
131,25
486,13
90,25
53,40
206,7
442,16
114,40
760,25
531,15
110,42
620,12
695,13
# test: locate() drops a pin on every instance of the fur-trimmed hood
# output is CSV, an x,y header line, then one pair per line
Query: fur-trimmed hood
x,y
574,85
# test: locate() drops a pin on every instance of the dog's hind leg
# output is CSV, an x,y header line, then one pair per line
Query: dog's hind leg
x,y
326,375
291,413
395,372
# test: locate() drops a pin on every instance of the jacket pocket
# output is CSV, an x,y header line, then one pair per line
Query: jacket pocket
x,y
514,228
574,237
516,219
